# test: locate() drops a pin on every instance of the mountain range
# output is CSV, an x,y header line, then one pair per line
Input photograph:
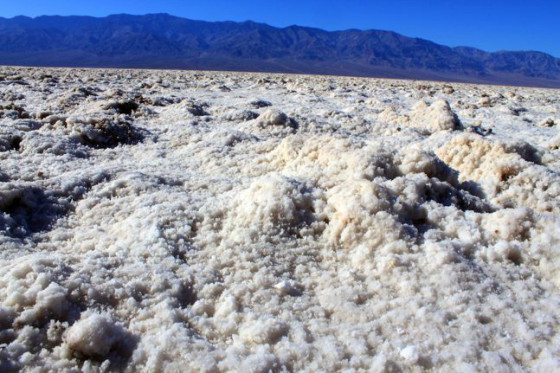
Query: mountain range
x,y
169,42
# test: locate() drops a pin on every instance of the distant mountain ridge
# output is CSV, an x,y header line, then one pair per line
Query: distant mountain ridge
x,y
165,41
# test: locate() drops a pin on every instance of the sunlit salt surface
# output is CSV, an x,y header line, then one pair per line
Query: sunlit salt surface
x,y
207,222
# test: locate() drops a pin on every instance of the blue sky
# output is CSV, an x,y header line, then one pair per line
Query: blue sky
x,y
490,25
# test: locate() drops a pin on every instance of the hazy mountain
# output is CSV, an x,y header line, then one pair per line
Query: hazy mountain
x,y
164,41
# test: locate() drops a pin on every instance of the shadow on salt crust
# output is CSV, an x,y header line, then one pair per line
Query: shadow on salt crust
x,y
28,208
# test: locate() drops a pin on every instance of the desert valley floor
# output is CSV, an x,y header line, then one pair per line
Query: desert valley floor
x,y
167,221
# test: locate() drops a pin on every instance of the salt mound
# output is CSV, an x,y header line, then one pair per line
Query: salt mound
x,y
131,209
358,214
94,336
271,205
479,159
235,115
550,158
424,117
390,115
272,122
26,125
435,117
554,143
104,132
501,170
52,143
195,108
273,117
30,290
318,158
549,122
413,159
100,131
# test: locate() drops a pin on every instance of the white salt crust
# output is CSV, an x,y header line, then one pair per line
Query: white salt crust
x,y
163,221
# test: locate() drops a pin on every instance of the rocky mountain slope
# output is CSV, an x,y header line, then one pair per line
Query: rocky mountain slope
x,y
164,41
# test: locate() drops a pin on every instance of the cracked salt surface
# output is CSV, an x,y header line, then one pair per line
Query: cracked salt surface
x,y
172,221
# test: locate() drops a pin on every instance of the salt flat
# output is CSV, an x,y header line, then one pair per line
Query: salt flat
x,y
203,221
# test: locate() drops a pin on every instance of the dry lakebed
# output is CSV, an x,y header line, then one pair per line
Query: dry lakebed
x,y
168,221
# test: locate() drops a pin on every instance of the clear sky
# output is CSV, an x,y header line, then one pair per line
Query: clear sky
x,y
490,24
